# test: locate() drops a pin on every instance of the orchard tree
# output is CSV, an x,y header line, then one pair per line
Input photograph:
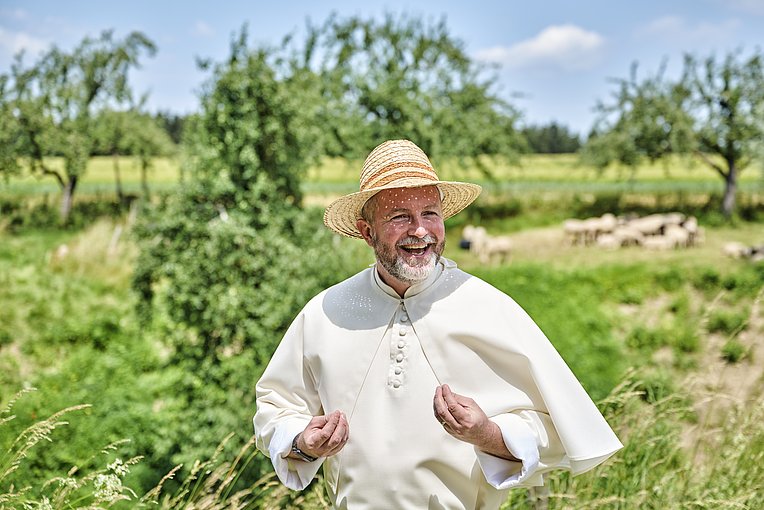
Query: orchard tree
x,y
712,113
228,259
131,133
405,78
55,101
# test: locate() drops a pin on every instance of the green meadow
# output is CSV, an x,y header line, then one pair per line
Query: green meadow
x,y
668,343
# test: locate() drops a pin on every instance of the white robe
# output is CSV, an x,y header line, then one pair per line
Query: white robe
x,y
342,352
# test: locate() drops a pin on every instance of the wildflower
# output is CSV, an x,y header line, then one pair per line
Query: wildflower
x,y
118,467
107,487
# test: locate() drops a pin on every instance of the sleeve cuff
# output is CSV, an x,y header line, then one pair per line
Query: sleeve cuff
x,y
294,474
521,442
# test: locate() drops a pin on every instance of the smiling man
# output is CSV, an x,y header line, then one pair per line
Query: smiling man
x,y
414,384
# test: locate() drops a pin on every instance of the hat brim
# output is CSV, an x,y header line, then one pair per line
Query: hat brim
x,y
342,214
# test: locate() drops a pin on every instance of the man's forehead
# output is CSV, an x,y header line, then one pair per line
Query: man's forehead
x,y
406,197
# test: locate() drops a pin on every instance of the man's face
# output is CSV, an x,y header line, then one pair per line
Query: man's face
x,y
406,232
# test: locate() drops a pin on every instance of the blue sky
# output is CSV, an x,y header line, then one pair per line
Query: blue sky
x,y
554,57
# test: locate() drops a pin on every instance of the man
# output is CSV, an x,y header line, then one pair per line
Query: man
x,y
415,384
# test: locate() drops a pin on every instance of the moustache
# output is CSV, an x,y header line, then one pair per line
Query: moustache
x,y
429,239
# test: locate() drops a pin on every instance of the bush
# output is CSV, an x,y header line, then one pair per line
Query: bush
x,y
733,351
727,322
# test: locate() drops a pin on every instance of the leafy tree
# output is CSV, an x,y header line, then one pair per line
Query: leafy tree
x,y
228,260
172,123
551,138
404,78
712,112
54,102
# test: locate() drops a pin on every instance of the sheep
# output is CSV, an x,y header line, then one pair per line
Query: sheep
x,y
486,247
736,250
628,235
679,235
648,225
575,230
609,242
659,243
469,233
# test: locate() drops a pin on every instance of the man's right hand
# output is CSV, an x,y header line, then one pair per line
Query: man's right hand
x,y
324,436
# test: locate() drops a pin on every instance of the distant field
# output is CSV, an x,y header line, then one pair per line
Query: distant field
x,y
336,176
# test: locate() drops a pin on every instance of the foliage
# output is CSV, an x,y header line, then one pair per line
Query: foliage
x,y
228,260
404,78
712,112
551,138
53,102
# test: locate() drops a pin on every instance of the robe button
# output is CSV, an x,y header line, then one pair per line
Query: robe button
x,y
401,344
399,357
396,384
405,318
398,370
402,332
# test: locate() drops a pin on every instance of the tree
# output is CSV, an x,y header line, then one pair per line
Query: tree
x,y
55,101
551,138
227,261
120,133
404,78
712,113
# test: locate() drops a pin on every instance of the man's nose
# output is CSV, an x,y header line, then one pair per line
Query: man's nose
x,y
419,230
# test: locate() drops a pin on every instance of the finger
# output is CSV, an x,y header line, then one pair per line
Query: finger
x,y
316,438
338,435
441,408
339,438
455,409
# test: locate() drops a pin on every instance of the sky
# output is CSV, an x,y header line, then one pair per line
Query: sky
x,y
554,59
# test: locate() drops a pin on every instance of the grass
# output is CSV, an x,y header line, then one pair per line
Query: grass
x,y
335,176
688,323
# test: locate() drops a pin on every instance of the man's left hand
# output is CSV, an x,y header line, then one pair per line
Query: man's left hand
x,y
465,420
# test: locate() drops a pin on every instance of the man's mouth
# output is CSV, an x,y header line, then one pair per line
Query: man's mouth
x,y
415,249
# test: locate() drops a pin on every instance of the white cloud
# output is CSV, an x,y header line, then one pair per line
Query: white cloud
x,y
676,28
14,42
563,46
202,29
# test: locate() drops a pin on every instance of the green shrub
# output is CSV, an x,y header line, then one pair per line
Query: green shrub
x,y
648,339
734,351
727,322
708,279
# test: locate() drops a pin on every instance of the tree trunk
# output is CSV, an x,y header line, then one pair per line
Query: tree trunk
x,y
118,179
67,195
144,180
730,190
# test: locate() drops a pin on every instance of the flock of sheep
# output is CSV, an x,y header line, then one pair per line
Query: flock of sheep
x,y
655,232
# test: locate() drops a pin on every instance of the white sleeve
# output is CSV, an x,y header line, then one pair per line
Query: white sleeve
x,y
295,474
531,437
287,400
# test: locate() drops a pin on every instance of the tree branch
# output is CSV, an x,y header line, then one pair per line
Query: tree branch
x,y
704,157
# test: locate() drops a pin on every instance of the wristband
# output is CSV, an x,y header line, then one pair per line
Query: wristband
x,y
296,450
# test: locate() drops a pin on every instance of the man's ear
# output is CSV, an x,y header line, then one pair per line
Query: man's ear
x,y
365,229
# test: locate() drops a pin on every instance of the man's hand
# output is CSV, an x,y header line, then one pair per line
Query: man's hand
x,y
324,436
465,420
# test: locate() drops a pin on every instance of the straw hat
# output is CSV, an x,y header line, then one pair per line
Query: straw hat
x,y
396,164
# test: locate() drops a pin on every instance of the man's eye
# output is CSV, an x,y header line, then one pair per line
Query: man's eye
x,y
399,217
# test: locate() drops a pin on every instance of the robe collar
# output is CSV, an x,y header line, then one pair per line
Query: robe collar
x,y
418,287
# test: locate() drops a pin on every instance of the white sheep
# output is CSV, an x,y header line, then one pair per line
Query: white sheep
x,y
575,230
679,235
659,243
488,247
609,242
628,235
736,250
